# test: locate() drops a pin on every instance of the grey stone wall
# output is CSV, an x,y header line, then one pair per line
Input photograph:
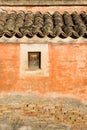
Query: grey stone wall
x,y
31,112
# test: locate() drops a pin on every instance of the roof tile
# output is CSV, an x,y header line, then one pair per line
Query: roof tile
x,y
52,25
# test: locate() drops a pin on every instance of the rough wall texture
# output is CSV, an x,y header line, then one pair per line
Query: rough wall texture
x,y
33,112
43,2
67,70
54,102
9,66
43,9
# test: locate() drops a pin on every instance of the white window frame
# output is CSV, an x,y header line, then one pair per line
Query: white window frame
x,y
24,69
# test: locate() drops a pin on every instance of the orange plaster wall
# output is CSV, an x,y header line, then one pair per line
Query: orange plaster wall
x,y
67,71
69,68
9,66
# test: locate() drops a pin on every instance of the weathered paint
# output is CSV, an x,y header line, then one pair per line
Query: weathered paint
x,y
57,101
33,112
67,71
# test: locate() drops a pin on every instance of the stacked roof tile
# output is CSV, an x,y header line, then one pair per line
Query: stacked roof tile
x,y
52,25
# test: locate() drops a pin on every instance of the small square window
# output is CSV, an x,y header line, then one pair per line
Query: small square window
x,y
34,60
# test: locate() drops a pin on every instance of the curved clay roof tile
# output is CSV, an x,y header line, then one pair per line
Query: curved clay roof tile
x,y
67,19
85,35
18,34
68,30
82,30
29,18
11,15
57,19
84,17
29,24
48,24
3,16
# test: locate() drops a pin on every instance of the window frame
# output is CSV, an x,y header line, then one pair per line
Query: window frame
x,y
24,69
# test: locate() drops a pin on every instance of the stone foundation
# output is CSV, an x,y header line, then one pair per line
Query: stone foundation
x,y
32,112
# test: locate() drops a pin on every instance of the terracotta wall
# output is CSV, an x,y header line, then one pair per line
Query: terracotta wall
x,y
67,71
44,102
67,63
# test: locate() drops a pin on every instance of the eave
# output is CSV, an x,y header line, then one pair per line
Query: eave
x,y
42,2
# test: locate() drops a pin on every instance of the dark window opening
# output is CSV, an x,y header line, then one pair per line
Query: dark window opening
x,y
34,60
